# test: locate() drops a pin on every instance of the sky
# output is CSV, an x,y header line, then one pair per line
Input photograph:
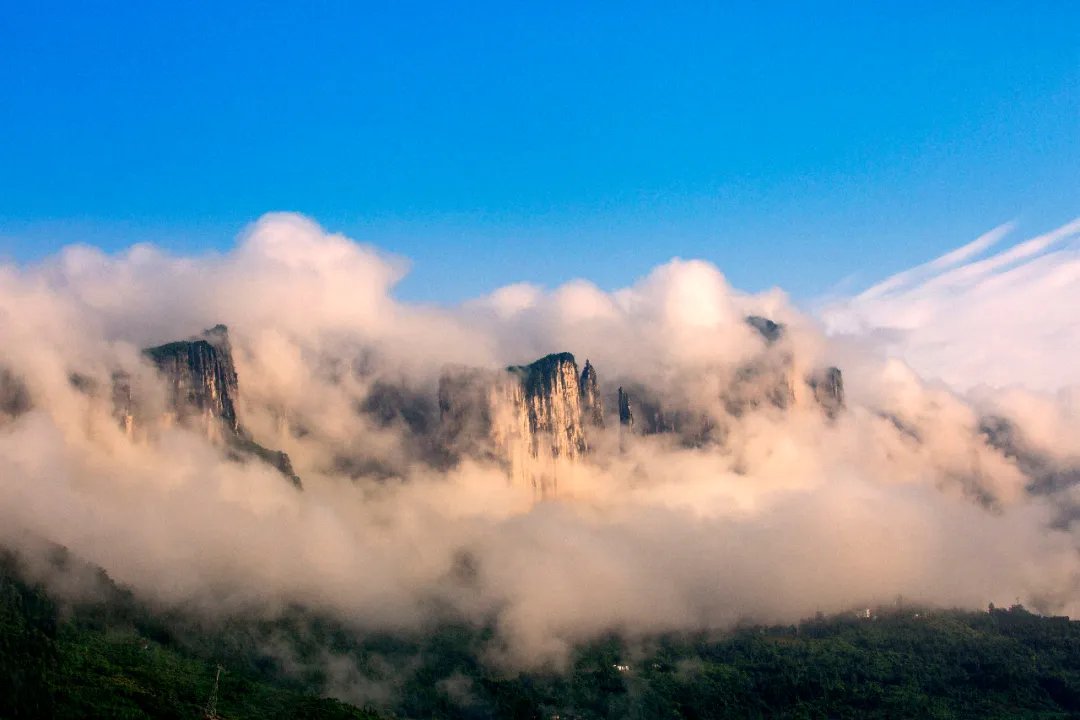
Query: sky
x,y
907,173
819,149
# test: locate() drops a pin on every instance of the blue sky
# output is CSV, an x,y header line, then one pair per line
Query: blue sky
x,y
835,143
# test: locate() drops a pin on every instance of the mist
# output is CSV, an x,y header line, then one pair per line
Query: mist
x,y
793,512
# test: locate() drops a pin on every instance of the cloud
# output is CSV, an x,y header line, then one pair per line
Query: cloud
x,y
907,278
787,514
1008,319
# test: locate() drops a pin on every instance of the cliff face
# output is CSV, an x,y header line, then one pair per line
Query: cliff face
x,y
644,411
769,380
771,331
592,406
828,388
773,380
531,417
202,393
123,402
549,400
545,411
201,382
626,413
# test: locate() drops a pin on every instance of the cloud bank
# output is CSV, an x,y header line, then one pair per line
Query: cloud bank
x,y
792,512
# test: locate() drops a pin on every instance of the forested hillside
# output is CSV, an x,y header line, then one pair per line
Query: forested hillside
x,y
114,658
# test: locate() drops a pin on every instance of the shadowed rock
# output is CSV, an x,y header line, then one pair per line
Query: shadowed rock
x,y
592,406
200,380
650,413
202,393
828,388
466,400
14,397
626,413
770,331
1045,475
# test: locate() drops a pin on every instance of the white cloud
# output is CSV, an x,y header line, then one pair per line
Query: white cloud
x,y
1010,318
791,514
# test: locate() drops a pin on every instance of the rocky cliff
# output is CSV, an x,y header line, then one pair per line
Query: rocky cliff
x,y
827,386
202,393
644,411
532,417
546,410
548,398
626,413
592,406
201,382
768,380
770,330
772,378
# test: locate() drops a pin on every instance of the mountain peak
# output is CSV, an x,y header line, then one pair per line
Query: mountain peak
x,y
769,330
592,406
203,392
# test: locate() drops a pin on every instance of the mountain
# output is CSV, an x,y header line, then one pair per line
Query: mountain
x,y
767,381
827,386
1047,475
532,418
592,405
536,416
201,382
202,393
547,398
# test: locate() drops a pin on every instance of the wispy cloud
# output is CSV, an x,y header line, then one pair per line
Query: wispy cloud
x,y
953,257
1010,318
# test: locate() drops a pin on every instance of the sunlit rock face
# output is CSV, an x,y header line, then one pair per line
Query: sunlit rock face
x,y
549,398
535,418
532,418
202,393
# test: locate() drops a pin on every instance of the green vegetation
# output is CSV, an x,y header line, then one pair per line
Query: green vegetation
x,y
111,659
116,658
